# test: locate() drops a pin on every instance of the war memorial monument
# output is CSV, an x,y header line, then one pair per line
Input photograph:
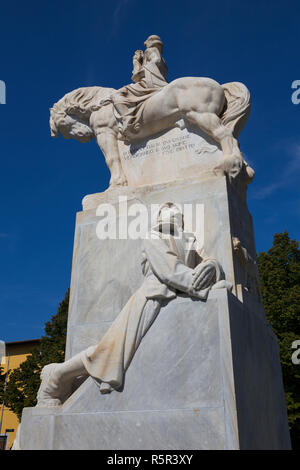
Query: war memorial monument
x,y
168,346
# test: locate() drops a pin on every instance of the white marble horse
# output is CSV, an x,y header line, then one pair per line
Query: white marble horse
x,y
219,110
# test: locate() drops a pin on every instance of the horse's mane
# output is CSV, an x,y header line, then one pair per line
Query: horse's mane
x,y
82,101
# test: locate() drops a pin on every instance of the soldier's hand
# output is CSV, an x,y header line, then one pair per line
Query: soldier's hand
x,y
138,55
204,275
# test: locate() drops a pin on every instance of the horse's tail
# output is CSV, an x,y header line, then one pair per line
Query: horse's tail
x,y
237,107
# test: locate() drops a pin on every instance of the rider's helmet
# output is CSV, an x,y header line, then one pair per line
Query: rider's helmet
x,y
153,40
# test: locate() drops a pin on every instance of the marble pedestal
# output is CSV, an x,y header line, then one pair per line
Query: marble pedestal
x,y
206,375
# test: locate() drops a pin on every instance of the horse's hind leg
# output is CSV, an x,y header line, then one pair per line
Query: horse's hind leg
x,y
211,124
108,143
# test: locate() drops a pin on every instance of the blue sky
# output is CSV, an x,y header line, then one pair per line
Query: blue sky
x,y
50,48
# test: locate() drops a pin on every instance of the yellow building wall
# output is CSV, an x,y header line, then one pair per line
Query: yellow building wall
x,y
16,353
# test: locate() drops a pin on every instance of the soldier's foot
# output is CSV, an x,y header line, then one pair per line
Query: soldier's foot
x,y
48,394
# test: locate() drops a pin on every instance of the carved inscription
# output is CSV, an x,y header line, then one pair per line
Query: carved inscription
x,y
163,147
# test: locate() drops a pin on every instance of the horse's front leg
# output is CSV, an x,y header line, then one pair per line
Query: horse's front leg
x,y
105,128
108,143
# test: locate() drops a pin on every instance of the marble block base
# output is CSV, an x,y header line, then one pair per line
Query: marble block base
x,y
106,272
206,376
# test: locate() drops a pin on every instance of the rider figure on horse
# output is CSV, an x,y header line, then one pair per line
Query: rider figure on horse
x,y
149,77
150,105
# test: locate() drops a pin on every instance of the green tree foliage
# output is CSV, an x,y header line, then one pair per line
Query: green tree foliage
x,y
24,381
279,270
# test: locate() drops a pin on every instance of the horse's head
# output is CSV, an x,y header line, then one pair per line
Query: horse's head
x,y
69,126
70,116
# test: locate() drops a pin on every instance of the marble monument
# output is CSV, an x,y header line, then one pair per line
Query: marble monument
x,y
168,346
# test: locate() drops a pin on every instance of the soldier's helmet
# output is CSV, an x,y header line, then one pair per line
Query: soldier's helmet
x,y
168,211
